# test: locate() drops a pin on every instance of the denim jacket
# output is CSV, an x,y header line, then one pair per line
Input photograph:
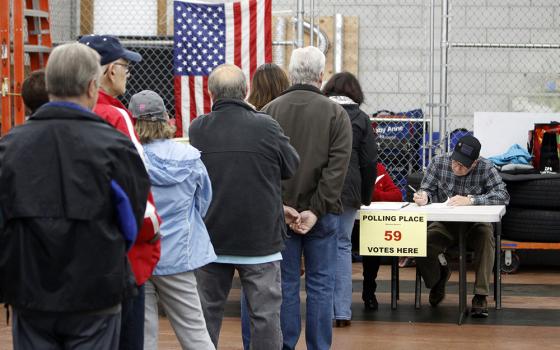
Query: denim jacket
x,y
182,193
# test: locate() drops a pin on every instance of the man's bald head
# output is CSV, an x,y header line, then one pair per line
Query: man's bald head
x,y
227,81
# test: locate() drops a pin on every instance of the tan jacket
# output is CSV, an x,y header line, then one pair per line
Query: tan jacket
x,y
320,131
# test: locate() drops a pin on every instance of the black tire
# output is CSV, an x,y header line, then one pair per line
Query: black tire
x,y
530,225
515,262
542,193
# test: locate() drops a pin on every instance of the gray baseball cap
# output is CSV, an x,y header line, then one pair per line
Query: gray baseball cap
x,y
147,105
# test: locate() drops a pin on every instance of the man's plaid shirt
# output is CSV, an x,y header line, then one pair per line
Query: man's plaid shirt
x,y
483,182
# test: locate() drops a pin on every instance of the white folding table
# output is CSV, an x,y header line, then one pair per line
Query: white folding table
x,y
474,213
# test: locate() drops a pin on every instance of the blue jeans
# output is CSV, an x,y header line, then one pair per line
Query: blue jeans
x,y
319,250
343,282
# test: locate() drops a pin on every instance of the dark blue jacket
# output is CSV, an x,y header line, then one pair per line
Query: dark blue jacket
x,y
61,249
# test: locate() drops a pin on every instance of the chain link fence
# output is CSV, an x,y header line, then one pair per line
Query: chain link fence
x,y
393,55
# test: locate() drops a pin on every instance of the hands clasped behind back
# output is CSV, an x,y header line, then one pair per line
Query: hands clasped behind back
x,y
307,219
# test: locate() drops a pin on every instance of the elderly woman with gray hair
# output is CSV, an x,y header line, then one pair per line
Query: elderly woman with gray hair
x,y
182,193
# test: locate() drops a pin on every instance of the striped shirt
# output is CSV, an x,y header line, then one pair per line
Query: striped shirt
x,y
483,182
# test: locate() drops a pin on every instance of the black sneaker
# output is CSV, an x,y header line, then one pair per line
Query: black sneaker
x,y
371,304
437,293
479,307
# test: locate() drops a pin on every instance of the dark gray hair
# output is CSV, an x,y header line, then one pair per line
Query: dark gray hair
x,y
70,69
227,81
306,65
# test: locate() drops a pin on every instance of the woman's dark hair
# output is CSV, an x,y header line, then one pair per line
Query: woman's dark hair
x,y
344,84
269,81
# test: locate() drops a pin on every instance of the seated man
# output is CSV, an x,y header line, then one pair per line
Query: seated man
x,y
461,178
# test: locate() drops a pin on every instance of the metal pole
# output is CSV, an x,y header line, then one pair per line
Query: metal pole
x,y
300,13
280,36
338,42
444,47
505,46
312,19
74,20
430,86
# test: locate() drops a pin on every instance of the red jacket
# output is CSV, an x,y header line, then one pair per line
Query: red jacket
x,y
385,189
143,255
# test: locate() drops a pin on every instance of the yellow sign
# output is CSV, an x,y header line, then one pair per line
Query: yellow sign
x,y
392,233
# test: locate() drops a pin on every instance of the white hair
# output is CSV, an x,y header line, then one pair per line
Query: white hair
x,y
306,65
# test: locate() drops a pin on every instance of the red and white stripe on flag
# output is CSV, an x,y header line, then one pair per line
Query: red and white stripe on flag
x,y
242,29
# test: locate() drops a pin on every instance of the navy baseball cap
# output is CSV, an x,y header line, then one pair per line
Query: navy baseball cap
x,y
466,150
109,48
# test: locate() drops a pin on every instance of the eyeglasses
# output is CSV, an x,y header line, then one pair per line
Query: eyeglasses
x,y
125,65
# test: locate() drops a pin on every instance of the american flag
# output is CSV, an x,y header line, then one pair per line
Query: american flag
x,y
209,34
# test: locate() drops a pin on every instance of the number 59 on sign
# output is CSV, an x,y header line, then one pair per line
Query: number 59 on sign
x,y
392,233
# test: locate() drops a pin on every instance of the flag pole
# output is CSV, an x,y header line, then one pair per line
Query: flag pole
x,y
300,13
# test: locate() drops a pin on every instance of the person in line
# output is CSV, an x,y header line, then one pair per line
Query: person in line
x,y
344,89
145,253
321,132
73,193
385,190
247,155
182,193
34,91
269,81
461,178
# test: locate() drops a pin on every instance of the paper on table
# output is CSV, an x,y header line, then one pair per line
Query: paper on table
x,y
443,205
386,205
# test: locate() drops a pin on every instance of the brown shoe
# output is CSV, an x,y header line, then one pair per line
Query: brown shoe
x,y
342,323
437,293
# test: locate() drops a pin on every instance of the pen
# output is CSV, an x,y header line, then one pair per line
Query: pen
x,y
412,188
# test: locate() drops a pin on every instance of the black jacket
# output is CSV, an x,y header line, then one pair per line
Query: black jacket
x,y
247,155
362,170
60,246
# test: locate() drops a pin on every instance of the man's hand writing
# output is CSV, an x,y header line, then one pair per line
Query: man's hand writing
x,y
420,198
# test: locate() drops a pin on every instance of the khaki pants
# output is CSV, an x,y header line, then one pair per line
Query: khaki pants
x,y
179,296
442,235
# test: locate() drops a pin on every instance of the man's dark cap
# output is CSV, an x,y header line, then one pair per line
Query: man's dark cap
x,y
109,48
466,150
